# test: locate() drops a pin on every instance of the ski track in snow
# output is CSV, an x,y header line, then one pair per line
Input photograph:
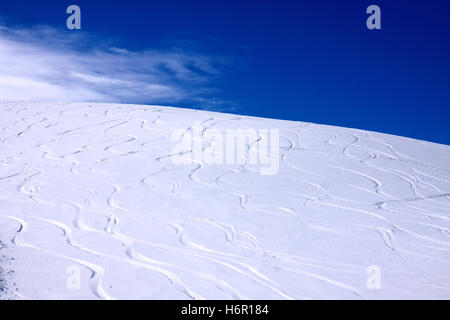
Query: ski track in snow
x,y
94,186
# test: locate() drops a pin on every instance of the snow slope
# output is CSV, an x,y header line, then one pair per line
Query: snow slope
x,y
92,206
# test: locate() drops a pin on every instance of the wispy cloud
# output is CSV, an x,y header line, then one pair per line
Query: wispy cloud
x,y
46,65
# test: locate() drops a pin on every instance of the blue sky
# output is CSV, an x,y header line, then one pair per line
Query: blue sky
x,y
300,60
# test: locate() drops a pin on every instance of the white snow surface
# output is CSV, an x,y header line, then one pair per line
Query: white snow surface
x,y
93,207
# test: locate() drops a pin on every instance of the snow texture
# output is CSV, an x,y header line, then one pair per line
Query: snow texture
x,y
92,206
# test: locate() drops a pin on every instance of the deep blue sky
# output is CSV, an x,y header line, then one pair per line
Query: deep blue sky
x,y
300,60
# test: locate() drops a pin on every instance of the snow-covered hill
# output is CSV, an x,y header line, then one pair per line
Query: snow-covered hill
x,y
111,201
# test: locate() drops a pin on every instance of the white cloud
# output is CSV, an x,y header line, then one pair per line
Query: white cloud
x,y
41,64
